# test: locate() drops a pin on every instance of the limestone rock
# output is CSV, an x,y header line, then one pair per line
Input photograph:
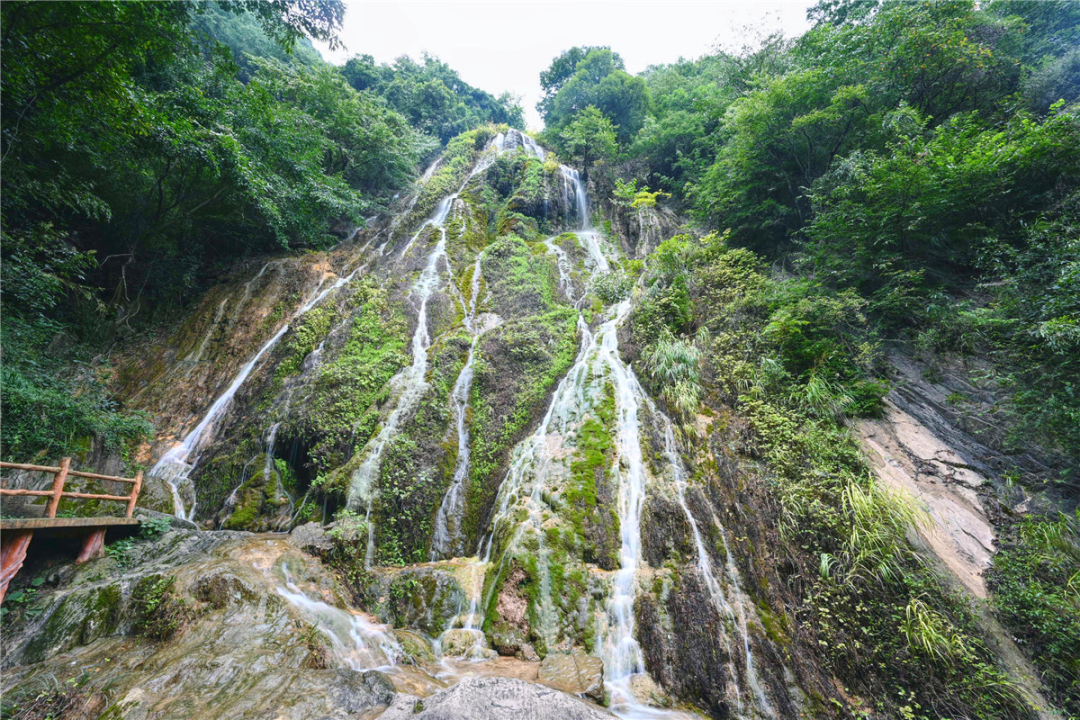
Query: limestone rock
x,y
493,698
311,538
415,645
647,691
577,673
465,643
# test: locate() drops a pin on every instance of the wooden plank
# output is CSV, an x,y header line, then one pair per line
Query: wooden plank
x,y
95,476
35,468
92,496
58,487
20,491
14,524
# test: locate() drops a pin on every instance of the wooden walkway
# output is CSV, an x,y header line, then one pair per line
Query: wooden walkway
x,y
15,534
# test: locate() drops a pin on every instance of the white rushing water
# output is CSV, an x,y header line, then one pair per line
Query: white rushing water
x,y
619,649
733,611
446,539
355,641
530,464
533,460
176,465
408,385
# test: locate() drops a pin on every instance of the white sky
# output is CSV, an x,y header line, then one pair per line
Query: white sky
x,y
503,46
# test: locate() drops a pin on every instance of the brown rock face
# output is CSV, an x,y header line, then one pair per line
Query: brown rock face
x,y
513,604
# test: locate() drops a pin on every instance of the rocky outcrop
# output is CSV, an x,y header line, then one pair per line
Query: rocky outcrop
x,y
494,699
912,460
261,632
576,672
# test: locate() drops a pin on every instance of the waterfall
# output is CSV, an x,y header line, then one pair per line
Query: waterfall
x,y
355,641
563,263
620,650
574,190
442,210
176,465
446,539
734,611
173,467
409,384
590,240
530,461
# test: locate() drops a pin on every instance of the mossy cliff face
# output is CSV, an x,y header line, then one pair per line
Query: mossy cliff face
x,y
470,354
481,254
288,443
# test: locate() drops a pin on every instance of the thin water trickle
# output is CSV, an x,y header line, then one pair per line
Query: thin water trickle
x,y
196,356
732,611
446,539
176,465
409,386
566,284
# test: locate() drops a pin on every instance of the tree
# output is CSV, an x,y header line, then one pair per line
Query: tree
x,y
590,137
432,95
562,68
777,141
599,82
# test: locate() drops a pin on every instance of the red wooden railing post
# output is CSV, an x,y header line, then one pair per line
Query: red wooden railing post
x,y
134,493
13,547
58,487
93,546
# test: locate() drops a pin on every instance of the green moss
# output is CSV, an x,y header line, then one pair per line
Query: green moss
x,y
306,336
595,524
458,159
516,367
159,611
342,413
783,358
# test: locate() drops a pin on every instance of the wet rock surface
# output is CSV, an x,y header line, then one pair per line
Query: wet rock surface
x,y
494,699
263,632
577,673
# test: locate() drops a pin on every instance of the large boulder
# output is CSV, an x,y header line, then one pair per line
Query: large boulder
x,y
494,698
575,672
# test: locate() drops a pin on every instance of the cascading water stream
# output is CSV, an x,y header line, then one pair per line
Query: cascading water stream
x,y
563,264
409,384
532,459
732,611
529,465
176,465
355,641
446,539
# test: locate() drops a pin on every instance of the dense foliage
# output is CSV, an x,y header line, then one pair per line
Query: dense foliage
x,y
717,335
1035,581
913,168
923,156
138,157
432,95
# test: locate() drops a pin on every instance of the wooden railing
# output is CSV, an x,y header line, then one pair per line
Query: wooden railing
x,y
60,476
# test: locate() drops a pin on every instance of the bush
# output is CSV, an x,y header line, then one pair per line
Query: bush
x,y
1035,585
159,612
